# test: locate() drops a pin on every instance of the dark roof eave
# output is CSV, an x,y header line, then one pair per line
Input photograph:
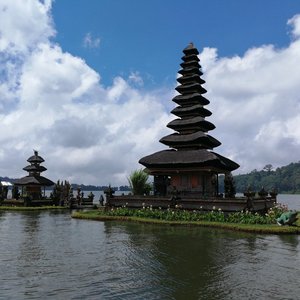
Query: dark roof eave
x,y
190,158
34,180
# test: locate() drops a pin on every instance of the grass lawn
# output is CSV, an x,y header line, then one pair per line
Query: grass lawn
x,y
99,215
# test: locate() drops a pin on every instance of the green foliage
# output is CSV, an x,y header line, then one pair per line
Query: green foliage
x,y
285,179
138,181
215,215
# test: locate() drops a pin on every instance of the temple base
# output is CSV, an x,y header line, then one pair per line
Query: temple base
x,y
261,204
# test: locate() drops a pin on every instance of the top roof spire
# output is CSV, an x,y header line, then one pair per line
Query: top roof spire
x,y
191,127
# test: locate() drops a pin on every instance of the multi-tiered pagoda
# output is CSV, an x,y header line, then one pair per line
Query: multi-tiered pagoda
x,y
32,183
190,166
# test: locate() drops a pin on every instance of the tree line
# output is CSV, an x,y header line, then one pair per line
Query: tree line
x,y
285,179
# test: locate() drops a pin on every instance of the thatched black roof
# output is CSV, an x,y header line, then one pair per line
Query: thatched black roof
x,y
197,139
181,111
35,168
190,49
191,158
190,57
190,78
34,180
190,142
196,122
35,158
190,64
191,70
194,98
191,88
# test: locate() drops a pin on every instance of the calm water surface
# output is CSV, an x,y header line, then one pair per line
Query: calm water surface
x,y
48,255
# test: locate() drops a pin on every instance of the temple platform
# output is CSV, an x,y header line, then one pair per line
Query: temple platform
x,y
255,204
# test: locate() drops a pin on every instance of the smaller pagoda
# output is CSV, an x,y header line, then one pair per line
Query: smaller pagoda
x,y
33,183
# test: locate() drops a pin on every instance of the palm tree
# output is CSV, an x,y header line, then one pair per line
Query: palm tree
x,y
138,182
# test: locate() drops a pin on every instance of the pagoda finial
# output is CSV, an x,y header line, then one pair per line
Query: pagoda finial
x,y
190,49
36,153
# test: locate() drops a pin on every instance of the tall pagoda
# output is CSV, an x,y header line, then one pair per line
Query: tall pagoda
x,y
190,166
32,183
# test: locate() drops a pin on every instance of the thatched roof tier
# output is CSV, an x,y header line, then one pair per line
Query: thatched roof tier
x,y
196,140
190,64
34,180
197,123
190,71
191,99
193,110
190,88
35,168
191,159
190,79
35,158
190,57
190,49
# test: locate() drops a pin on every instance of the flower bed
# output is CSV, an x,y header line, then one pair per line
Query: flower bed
x,y
246,220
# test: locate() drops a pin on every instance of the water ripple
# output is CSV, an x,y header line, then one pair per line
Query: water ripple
x,y
51,256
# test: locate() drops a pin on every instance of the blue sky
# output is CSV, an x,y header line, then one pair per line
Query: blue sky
x,y
148,36
89,83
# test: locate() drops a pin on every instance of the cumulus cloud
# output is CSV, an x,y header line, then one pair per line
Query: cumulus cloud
x,y
255,102
52,101
24,24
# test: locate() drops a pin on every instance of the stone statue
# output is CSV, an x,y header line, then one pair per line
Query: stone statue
x,y
91,196
287,218
229,187
101,200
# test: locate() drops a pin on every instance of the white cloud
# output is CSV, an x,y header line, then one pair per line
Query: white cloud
x,y
90,42
294,22
24,24
136,78
53,101
255,103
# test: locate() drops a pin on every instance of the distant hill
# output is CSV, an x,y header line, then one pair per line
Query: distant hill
x,y
286,179
7,179
83,187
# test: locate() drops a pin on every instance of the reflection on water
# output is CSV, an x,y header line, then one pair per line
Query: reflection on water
x,y
49,255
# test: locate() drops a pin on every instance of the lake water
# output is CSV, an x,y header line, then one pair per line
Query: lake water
x,y
49,255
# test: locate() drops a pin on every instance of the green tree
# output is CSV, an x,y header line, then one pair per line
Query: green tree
x,y
268,168
286,179
138,181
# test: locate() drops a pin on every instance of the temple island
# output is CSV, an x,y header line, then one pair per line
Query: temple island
x,y
30,190
187,174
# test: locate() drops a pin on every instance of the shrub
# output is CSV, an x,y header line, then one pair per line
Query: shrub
x,y
138,181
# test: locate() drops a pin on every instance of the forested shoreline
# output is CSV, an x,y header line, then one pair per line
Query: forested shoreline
x,y
285,179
